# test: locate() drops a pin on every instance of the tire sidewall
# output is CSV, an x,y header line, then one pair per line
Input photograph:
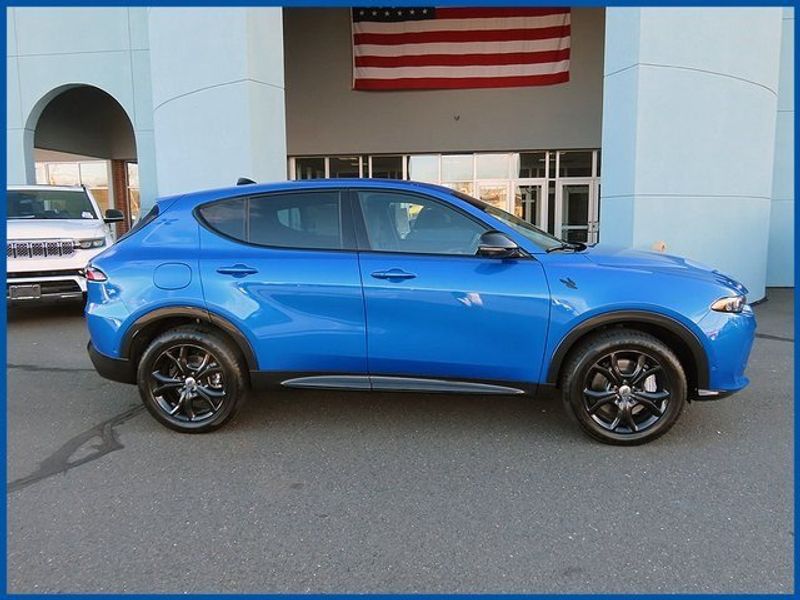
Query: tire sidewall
x,y
676,381
231,369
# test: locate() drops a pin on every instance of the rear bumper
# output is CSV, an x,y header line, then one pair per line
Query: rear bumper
x,y
115,369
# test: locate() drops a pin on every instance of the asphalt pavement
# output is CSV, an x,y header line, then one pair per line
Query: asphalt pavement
x,y
316,491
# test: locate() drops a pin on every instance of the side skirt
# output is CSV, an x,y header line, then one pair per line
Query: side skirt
x,y
387,383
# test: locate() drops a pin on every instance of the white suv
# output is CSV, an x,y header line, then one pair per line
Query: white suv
x,y
52,234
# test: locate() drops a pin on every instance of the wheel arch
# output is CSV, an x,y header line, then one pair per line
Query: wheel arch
x,y
145,328
673,333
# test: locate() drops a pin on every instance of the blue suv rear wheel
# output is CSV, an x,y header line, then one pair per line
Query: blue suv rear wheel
x,y
191,380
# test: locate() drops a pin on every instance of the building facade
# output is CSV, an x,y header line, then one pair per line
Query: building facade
x,y
675,130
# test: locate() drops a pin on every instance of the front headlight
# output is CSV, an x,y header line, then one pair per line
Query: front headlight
x,y
92,243
731,304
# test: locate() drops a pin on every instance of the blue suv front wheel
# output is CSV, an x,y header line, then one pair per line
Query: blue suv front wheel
x,y
624,387
192,380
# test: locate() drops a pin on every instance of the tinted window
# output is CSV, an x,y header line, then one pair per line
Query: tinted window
x,y
398,222
227,217
296,220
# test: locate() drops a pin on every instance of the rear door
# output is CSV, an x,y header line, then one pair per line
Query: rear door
x,y
434,308
283,268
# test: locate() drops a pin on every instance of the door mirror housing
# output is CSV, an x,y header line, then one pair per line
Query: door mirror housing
x,y
114,216
496,244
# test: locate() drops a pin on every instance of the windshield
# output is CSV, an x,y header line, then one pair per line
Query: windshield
x,y
533,233
49,204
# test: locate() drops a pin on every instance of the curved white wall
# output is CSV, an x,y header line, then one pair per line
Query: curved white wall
x,y
689,111
218,96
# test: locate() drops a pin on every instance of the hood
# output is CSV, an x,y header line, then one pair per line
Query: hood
x,y
657,262
34,229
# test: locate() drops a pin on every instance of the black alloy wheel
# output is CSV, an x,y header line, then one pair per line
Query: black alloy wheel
x,y
624,387
188,383
191,379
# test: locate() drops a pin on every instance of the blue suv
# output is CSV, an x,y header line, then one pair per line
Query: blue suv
x,y
403,286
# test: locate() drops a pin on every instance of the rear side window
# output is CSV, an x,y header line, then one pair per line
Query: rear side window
x,y
307,220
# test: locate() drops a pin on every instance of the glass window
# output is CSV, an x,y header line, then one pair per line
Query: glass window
x,y
457,167
575,164
94,174
492,166
309,168
41,173
63,173
533,233
387,167
412,224
465,187
49,204
424,167
134,201
532,164
227,217
296,220
344,166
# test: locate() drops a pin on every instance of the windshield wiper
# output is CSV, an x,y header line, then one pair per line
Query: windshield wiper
x,y
573,246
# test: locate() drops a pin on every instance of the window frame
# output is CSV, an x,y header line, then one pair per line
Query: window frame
x,y
362,237
348,236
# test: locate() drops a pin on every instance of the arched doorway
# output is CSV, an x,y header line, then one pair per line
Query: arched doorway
x,y
83,136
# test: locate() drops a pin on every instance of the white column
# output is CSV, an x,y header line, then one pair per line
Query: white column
x,y
780,258
689,105
218,96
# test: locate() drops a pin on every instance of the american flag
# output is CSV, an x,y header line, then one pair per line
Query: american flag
x,y
402,48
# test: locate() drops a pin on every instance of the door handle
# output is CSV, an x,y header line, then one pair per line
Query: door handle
x,y
237,270
393,274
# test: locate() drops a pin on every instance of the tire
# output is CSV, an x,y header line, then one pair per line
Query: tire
x,y
634,403
191,379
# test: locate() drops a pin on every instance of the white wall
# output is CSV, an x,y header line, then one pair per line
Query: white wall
x,y
218,96
780,261
50,49
689,133
326,116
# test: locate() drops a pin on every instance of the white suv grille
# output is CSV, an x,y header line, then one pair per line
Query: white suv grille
x,y
39,248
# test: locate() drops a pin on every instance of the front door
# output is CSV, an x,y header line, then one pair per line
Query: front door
x,y
284,269
576,212
436,310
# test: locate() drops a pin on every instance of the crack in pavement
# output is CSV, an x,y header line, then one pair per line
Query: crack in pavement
x,y
37,368
59,461
776,338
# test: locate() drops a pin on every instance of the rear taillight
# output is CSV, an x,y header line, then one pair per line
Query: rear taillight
x,y
94,274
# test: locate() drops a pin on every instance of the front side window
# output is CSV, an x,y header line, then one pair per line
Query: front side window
x,y
306,220
407,223
49,204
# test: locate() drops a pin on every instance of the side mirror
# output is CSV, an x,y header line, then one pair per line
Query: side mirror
x,y
114,216
495,244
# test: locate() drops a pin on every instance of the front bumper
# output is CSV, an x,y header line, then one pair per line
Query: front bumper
x,y
729,340
115,369
55,285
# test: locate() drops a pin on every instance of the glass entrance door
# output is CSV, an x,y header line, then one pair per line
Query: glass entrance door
x,y
530,202
576,211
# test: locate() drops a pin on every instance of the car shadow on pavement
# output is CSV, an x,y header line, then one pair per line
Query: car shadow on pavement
x,y
36,311
404,412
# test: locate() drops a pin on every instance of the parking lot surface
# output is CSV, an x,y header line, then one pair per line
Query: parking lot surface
x,y
353,492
